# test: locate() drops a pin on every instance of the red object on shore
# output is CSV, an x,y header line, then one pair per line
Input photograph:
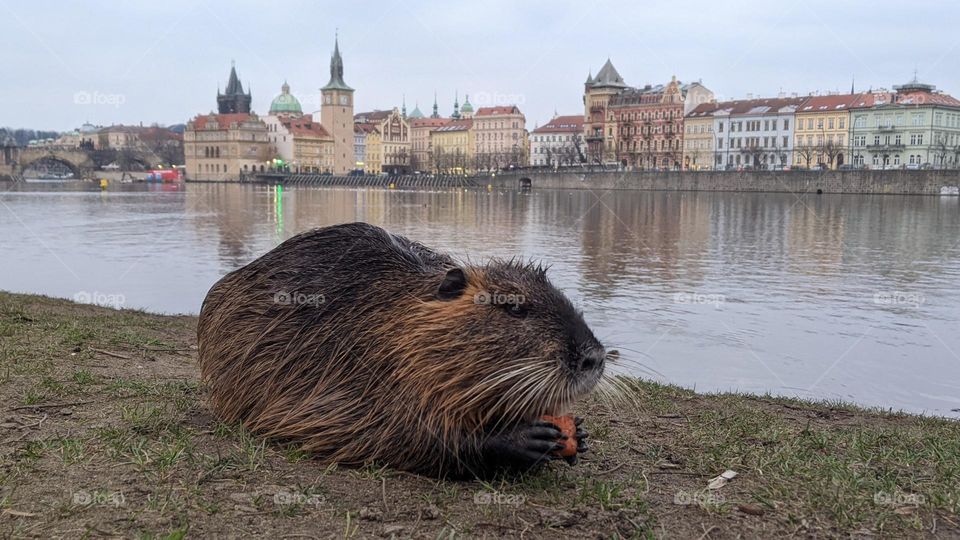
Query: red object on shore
x,y
164,175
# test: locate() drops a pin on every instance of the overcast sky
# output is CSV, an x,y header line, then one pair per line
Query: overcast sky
x,y
65,62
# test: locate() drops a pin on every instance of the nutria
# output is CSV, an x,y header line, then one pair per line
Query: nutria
x,y
365,347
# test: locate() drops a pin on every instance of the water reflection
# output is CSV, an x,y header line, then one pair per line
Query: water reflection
x,y
839,297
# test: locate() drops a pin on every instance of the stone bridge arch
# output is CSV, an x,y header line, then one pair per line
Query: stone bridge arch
x,y
78,161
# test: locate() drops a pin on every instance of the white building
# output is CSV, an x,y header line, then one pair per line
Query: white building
x,y
755,133
556,143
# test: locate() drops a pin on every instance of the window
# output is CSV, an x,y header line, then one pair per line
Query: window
x,y
830,123
810,123
786,125
876,139
860,121
917,119
897,140
843,123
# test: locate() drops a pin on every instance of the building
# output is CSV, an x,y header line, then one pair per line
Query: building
x,y
372,149
500,137
336,114
421,149
755,133
452,146
302,144
222,147
558,143
914,127
233,100
648,122
598,125
227,145
822,131
699,138
394,132
359,147
611,109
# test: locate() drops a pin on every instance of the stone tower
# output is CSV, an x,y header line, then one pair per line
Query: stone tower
x,y
336,114
233,100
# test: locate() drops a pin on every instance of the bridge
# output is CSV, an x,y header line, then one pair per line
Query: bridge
x,y
14,160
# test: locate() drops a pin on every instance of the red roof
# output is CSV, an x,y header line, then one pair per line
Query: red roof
x,y
837,102
926,98
456,125
304,127
428,122
562,124
223,120
496,111
372,116
366,128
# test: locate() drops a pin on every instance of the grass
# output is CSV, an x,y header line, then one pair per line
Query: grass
x,y
131,420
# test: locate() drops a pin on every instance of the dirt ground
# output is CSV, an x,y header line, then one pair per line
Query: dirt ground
x,y
104,433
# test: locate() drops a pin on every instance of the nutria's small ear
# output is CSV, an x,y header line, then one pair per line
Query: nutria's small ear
x,y
453,284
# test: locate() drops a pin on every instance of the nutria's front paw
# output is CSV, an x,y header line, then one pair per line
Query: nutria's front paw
x,y
523,448
581,436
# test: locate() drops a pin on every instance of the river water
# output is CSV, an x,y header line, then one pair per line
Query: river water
x,y
850,298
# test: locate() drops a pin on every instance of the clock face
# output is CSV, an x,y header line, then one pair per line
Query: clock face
x,y
343,100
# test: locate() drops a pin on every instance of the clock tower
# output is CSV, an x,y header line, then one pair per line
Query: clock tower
x,y
336,114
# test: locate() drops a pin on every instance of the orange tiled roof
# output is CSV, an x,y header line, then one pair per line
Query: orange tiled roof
x,y
562,124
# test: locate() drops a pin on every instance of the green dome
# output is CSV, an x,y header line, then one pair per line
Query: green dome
x,y
467,107
285,102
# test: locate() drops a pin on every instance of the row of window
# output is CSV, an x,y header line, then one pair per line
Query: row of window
x,y
819,124
551,138
754,142
754,125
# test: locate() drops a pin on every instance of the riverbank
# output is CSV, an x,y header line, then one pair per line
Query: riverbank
x,y
105,433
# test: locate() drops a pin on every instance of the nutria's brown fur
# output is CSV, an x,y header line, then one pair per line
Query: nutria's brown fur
x,y
366,347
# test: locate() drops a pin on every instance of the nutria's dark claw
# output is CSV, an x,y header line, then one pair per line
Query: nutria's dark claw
x,y
523,448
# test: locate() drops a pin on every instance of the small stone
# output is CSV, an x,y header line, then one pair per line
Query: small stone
x,y
371,514
393,530
430,512
752,509
66,412
560,518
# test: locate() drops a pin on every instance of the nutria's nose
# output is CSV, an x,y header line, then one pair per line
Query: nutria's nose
x,y
592,359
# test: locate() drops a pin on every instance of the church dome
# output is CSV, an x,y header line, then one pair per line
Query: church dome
x,y
285,103
467,107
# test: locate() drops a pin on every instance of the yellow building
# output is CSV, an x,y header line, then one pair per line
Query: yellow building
x,y
453,147
313,147
823,124
698,138
373,148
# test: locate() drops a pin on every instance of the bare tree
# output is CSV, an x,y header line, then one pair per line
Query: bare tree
x,y
806,152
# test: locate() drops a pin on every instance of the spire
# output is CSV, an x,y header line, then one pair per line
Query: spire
x,y
233,83
456,105
403,110
853,80
436,113
336,69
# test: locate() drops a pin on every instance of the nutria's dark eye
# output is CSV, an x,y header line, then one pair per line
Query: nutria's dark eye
x,y
453,284
517,310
